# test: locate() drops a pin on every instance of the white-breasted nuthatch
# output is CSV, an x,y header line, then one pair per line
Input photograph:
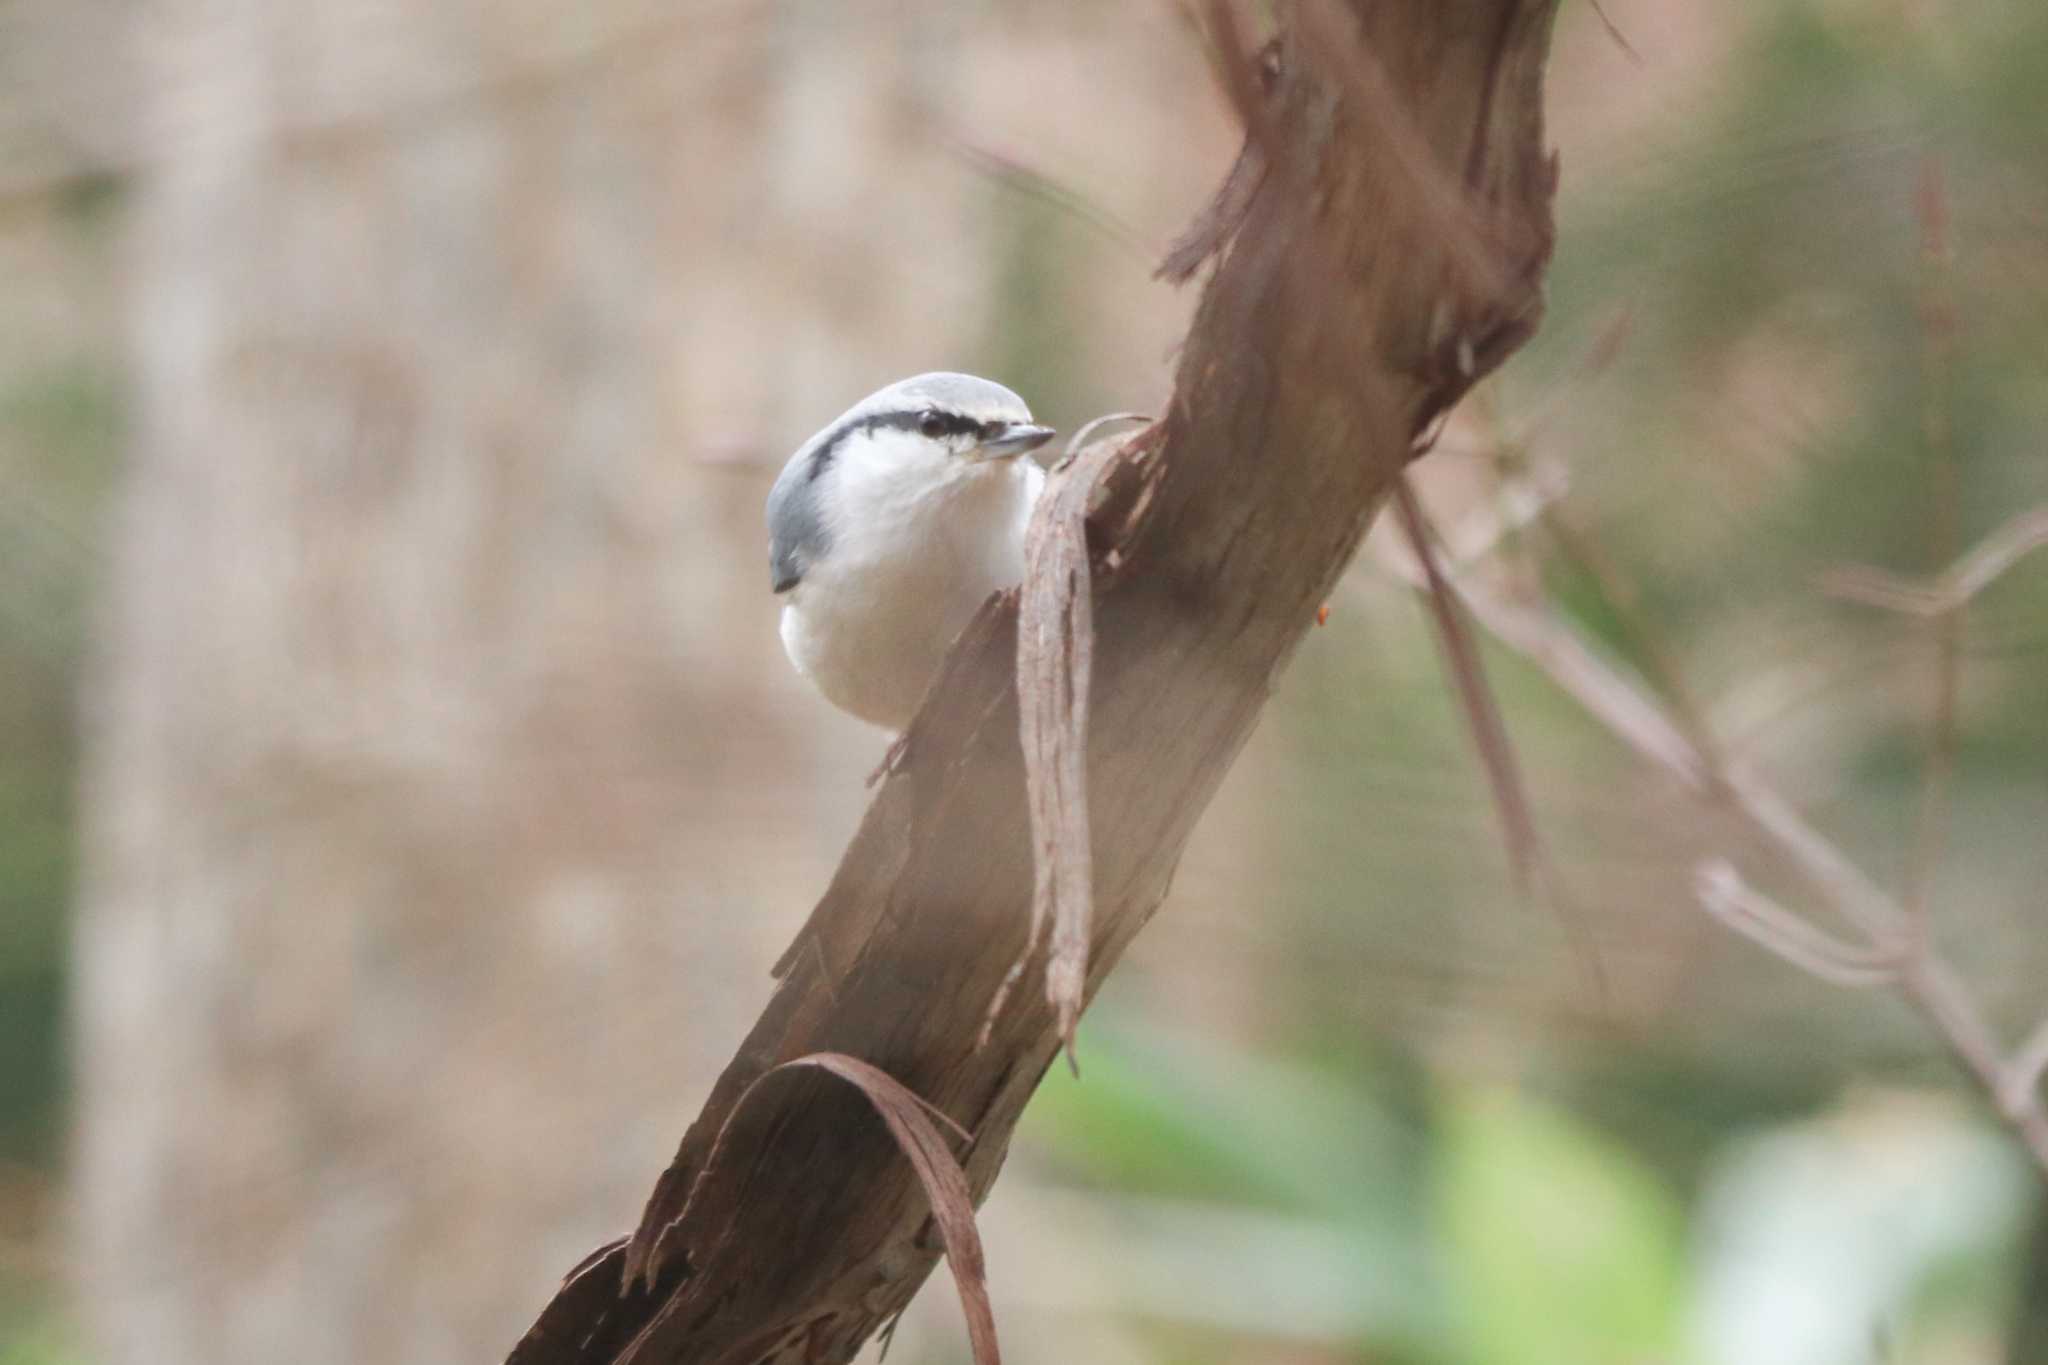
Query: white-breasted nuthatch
x,y
888,530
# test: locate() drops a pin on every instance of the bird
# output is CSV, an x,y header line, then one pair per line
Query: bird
x,y
889,528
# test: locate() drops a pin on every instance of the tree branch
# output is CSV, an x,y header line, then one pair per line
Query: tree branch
x,y
1318,353
1893,953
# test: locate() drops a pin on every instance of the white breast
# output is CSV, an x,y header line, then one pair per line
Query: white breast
x,y
907,571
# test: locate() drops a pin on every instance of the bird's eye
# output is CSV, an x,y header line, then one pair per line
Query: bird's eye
x,y
932,425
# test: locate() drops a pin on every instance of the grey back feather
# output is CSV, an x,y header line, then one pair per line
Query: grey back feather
x,y
798,534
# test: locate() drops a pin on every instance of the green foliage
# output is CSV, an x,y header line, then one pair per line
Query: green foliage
x,y
1330,1152
1166,1120
37,1340
1560,1247
58,431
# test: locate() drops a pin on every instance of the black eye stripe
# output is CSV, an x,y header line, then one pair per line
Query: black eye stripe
x,y
933,422
908,419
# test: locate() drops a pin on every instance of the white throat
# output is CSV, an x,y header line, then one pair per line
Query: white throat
x,y
920,538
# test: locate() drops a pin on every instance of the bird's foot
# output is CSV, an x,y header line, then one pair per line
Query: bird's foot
x,y
892,761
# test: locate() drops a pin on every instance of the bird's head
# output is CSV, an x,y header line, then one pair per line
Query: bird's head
x,y
899,450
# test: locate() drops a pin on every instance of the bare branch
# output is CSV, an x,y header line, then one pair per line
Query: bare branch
x,y
1991,557
1615,35
1937,356
1933,986
1728,898
1468,679
1996,553
1552,645
1894,954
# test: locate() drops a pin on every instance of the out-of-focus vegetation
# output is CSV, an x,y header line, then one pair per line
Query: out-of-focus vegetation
x,y
1350,1100
60,419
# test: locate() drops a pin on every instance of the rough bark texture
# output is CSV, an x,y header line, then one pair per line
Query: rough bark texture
x,y
1392,252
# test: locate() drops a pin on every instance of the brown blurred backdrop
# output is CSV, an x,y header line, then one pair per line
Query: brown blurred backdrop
x,y
405,795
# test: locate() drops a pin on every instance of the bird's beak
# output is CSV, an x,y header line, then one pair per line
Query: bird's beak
x,y
1016,438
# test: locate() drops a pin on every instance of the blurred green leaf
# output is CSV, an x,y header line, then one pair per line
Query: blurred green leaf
x,y
1161,1118
1560,1248
37,1339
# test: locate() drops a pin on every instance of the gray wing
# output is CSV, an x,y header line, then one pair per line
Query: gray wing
x,y
796,526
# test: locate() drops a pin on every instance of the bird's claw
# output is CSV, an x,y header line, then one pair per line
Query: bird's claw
x,y
892,761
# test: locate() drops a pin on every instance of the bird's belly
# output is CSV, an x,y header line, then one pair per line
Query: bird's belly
x,y
872,639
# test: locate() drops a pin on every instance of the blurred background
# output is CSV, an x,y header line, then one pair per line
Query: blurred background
x,y
403,795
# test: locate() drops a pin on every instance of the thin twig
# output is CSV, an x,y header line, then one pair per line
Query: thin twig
x,y
1931,985
1919,974
2023,1072
1606,348
1724,894
1573,665
1468,676
1582,547
1955,588
1022,178
1569,533
1619,39
1996,553
1937,352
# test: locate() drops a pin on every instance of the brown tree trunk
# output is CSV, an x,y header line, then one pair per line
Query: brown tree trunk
x,y
1391,253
